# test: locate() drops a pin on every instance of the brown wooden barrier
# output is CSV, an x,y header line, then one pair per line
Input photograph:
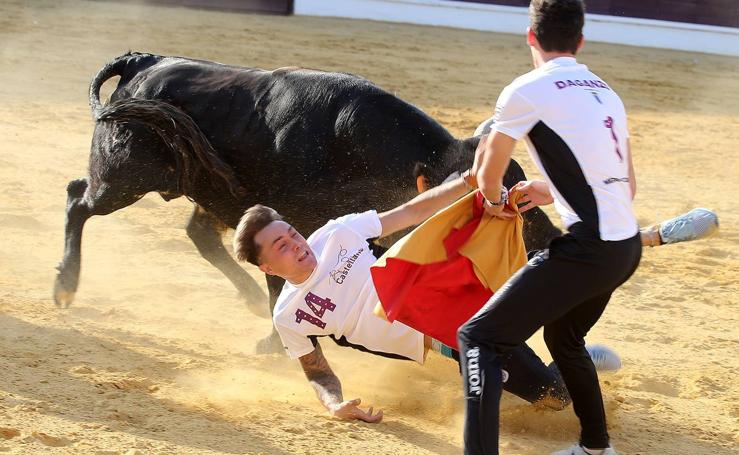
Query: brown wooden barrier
x,y
257,6
708,12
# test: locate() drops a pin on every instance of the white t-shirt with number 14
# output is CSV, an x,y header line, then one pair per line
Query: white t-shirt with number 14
x,y
339,298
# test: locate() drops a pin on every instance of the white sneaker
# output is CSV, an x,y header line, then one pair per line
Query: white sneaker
x,y
577,449
604,358
696,224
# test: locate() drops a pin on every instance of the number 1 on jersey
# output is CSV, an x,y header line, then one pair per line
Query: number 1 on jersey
x,y
608,122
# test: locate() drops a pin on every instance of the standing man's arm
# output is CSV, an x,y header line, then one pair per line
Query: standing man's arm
x,y
490,165
328,389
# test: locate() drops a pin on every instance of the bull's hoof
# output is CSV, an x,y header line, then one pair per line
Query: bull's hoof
x,y
63,298
270,345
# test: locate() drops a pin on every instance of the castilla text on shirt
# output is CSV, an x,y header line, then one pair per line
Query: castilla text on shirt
x,y
339,275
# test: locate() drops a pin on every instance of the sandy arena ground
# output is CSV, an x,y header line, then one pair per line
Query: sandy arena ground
x,y
156,356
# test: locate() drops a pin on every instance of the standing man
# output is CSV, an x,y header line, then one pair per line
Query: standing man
x,y
574,126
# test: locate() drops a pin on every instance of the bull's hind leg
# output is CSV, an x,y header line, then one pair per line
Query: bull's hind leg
x,y
82,203
69,270
205,232
125,164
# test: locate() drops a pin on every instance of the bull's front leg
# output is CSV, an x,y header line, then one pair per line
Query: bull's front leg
x,y
538,229
205,232
77,212
271,343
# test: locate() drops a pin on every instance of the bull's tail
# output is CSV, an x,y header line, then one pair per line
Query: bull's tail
x,y
117,67
192,151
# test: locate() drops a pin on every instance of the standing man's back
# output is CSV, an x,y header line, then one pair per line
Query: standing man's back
x,y
573,122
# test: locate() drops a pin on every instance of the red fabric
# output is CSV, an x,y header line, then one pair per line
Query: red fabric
x,y
457,237
444,295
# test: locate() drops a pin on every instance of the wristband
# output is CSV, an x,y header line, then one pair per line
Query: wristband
x,y
503,198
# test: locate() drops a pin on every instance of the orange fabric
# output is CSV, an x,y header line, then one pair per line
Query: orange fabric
x,y
435,278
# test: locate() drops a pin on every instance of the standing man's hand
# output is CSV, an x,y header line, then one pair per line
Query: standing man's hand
x,y
349,410
533,194
496,205
502,211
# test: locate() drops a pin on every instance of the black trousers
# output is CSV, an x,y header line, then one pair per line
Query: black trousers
x,y
564,289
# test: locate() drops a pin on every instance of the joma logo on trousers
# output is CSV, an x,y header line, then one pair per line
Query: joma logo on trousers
x,y
473,370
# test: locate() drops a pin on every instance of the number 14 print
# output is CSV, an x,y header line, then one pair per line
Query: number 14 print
x,y
318,306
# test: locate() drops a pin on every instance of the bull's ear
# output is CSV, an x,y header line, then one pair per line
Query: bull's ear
x,y
422,183
419,172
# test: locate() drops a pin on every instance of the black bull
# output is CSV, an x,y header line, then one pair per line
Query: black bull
x,y
314,145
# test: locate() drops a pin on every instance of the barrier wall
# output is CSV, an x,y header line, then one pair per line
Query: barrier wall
x,y
512,19
707,12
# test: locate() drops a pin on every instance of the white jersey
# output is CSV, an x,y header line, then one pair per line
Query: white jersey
x,y
339,298
576,133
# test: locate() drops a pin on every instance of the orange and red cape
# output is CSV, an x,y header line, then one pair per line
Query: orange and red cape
x,y
439,275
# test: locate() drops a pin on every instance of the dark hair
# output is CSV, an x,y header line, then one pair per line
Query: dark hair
x,y
557,24
254,220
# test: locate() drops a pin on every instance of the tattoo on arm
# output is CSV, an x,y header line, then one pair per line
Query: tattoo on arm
x,y
321,377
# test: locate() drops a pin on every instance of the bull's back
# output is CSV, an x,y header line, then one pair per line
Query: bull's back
x,y
209,92
250,108
304,139
356,128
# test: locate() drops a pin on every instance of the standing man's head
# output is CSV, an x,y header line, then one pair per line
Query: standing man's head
x,y
262,238
555,28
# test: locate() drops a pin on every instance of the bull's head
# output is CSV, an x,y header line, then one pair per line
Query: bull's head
x,y
457,159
